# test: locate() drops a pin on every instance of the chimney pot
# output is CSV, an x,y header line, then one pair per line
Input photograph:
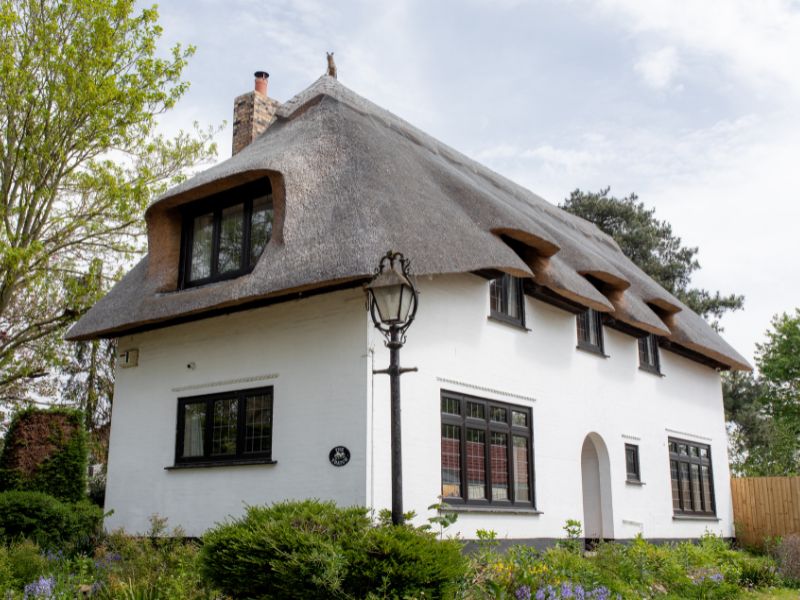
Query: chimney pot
x,y
262,78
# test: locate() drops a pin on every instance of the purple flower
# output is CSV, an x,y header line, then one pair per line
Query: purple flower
x,y
580,593
41,588
566,590
540,595
523,593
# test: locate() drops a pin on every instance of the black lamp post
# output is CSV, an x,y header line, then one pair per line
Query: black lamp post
x,y
392,302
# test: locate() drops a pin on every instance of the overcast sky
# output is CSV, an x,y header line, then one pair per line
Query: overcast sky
x,y
695,106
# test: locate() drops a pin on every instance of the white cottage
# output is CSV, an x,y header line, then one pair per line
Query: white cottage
x,y
556,380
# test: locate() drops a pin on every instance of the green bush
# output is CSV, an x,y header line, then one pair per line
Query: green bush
x,y
46,451
403,561
312,549
48,521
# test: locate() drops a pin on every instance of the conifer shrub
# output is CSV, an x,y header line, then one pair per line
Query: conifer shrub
x,y
313,549
49,522
46,451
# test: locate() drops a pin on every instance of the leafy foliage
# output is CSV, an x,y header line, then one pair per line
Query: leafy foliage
x,y
706,569
765,409
652,245
49,522
45,451
313,549
80,158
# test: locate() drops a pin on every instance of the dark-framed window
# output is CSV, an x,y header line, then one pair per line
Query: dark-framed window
x,y
590,330
649,359
692,478
632,463
487,452
224,235
507,300
225,427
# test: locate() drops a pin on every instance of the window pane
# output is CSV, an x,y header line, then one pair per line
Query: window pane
x,y
451,461
194,424
676,500
476,464
583,327
682,449
499,456
512,291
686,496
521,479
230,239
631,463
258,424
499,414
707,489
520,419
594,325
451,406
696,500
703,452
223,431
694,451
261,226
496,293
202,247
476,410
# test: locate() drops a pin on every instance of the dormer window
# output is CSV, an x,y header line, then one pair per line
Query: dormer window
x,y
649,359
590,331
507,302
224,235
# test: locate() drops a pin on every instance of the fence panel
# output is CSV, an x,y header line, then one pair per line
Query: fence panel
x,y
765,507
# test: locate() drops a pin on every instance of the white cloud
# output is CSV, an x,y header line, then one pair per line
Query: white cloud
x,y
658,68
758,41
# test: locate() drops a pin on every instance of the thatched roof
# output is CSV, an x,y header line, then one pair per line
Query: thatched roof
x,y
351,181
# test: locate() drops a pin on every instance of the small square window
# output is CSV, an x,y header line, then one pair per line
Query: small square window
x,y
590,330
476,410
499,414
507,300
649,359
225,427
225,234
632,462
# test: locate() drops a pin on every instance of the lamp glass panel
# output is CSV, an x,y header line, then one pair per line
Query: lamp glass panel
x,y
387,299
406,301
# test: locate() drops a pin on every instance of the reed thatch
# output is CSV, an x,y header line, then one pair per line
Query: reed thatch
x,y
351,181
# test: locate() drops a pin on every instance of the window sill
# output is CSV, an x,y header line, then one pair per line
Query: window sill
x,y
634,482
651,370
506,510
499,318
221,463
592,350
695,518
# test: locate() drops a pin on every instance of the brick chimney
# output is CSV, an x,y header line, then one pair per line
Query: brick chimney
x,y
252,113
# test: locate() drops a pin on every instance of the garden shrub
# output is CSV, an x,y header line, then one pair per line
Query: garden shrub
x,y
48,521
46,451
787,553
310,549
404,561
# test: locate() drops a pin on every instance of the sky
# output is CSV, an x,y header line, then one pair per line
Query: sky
x,y
694,106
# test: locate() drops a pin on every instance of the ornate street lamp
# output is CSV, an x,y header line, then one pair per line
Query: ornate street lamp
x,y
392,302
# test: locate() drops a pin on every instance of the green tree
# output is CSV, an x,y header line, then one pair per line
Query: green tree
x,y
81,88
765,410
652,246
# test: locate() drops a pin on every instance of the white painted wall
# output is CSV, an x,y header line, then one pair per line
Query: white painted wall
x,y
312,351
572,393
319,353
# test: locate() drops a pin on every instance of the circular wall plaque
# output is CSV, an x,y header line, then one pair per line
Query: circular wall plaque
x,y
339,456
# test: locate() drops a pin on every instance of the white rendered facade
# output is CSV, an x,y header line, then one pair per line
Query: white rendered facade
x,y
318,354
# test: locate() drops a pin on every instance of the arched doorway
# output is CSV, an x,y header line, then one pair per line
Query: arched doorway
x,y
598,518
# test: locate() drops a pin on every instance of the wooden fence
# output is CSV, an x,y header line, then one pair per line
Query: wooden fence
x,y
765,507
